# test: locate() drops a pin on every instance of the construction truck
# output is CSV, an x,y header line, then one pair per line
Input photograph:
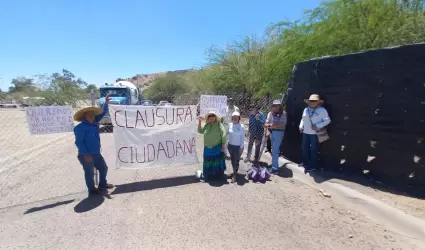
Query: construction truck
x,y
121,93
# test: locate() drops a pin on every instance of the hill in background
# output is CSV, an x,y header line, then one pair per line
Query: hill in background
x,y
143,81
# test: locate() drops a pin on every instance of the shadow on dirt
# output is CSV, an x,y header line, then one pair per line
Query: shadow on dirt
x,y
53,205
285,172
89,203
154,184
241,179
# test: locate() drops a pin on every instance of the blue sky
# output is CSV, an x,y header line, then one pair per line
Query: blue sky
x,y
100,41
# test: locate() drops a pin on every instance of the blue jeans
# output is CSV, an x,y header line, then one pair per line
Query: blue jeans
x,y
254,137
310,147
99,163
276,138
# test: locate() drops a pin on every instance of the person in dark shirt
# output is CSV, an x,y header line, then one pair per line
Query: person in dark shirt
x,y
87,140
256,132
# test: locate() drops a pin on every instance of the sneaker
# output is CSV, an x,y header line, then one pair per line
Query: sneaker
x,y
247,159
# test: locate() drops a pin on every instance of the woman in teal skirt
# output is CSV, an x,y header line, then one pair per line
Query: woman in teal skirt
x,y
214,143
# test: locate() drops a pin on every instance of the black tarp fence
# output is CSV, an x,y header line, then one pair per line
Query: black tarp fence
x,y
376,101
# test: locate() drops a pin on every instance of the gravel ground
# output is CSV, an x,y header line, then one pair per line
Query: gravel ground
x,y
43,205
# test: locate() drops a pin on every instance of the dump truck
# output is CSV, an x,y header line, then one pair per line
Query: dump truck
x,y
121,93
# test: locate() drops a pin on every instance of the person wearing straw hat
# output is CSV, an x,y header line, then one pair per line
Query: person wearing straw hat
x,y
314,119
87,140
236,136
276,122
214,133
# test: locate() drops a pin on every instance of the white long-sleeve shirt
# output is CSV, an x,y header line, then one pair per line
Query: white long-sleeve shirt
x,y
236,134
319,117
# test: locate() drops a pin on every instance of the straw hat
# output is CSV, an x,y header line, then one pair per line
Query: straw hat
x,y
79,116
314,98
212,113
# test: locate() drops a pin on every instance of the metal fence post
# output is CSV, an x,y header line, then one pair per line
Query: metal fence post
x,y
95,173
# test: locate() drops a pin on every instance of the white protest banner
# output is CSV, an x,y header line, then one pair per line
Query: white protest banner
x,y
148,136
217,103
50,119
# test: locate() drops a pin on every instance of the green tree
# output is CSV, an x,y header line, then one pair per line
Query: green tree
x,y
260,67
64,89
3,95
22,85
93,87
341,27
166,88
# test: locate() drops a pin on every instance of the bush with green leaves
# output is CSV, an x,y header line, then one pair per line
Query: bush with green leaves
x,y
262,66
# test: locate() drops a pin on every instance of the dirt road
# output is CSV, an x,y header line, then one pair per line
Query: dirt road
x,y
43,205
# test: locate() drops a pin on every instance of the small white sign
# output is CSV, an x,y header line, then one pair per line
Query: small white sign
x,y
217,103
50,119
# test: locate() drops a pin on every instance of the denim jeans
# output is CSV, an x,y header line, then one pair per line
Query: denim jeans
x,y
99,163
276,139
310,147
254,138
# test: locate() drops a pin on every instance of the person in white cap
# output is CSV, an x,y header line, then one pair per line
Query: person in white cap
x,y
276,122
314,118
228,118
236,138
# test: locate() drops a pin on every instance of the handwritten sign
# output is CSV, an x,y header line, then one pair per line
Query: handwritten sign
x,y
50,119
154,136
217,103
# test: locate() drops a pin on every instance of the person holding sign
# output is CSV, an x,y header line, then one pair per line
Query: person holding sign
x,y
87,140
214,145
236,136
276,121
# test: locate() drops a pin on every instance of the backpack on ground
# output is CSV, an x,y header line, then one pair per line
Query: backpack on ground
x,y
258,174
